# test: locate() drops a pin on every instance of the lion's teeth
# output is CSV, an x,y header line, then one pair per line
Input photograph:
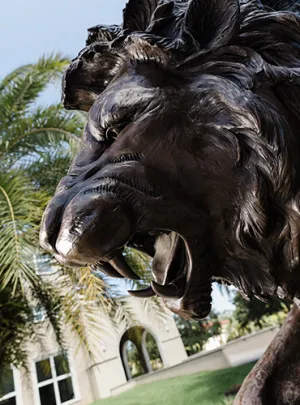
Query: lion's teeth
x,y
166,291
144,293
107,269
119,263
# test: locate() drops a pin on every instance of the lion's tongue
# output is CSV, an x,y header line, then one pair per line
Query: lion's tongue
x,y
182,276
167,266
165,249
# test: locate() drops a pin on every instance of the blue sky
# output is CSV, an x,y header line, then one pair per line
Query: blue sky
x,y
31,28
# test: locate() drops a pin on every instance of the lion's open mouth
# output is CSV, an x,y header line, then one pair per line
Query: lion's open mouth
x,y
173,275
169,264
169,267
99,221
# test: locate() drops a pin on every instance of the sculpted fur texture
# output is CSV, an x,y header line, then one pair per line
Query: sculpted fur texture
x,y
191,150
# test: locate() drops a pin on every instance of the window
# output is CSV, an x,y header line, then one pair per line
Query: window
x,y
55,382
7,388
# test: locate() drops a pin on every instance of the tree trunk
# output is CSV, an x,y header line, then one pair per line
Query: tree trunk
x,y
275,379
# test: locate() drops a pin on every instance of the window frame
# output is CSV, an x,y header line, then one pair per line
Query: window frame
x,y
54,380
17,388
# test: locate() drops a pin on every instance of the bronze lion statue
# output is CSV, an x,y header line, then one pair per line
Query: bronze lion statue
x,y
191,154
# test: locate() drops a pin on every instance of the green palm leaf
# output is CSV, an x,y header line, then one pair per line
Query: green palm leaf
x,y
36,145
39,133
20,211
19,90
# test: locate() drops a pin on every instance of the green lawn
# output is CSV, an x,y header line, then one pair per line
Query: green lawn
x,y
206,388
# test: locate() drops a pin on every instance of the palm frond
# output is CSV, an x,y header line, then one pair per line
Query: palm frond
x,y
21,70
39,133
36,145
19,90
21,209
139,262
86,304
122,313
154,310
55,165
14,315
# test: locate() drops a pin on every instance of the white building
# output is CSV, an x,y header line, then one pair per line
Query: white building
x,y
56,379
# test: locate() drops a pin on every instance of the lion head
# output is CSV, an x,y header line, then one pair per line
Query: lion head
x,y
194,162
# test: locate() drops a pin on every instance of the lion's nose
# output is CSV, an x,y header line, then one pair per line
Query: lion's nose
x,y
92,228
51,222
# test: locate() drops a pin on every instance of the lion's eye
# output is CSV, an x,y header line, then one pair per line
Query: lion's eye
x,y
112,133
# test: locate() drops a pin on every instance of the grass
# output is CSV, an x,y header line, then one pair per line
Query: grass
x,y
206,388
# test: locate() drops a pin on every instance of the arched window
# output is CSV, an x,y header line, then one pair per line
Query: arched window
x,y
153,351
134,359
139,352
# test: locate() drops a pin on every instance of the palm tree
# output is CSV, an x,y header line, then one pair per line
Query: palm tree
x,y
36,144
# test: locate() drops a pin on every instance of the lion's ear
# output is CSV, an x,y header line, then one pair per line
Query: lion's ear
x,y
102,33
212,23
137,14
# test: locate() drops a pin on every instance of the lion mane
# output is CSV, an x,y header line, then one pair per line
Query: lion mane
x,y
260,255
247,54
